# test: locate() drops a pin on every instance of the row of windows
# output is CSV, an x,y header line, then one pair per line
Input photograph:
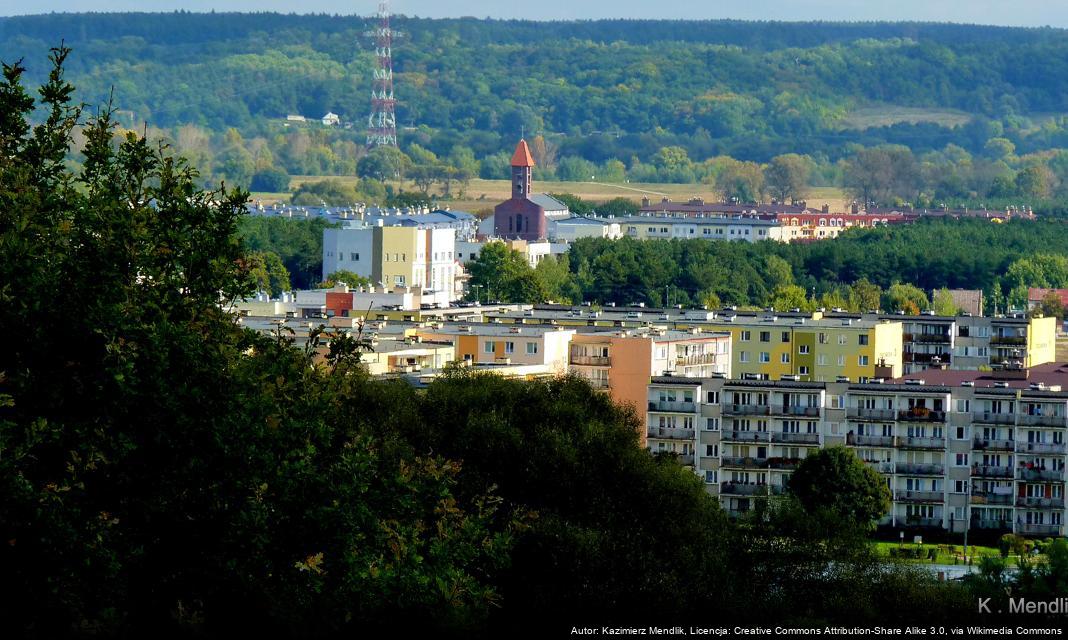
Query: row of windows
x,y
765,336
490,346
764,357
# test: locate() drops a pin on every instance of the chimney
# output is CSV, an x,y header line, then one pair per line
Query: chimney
x,y
826,208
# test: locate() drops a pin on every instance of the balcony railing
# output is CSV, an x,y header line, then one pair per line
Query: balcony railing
x,y
914,469
1012,340
881,467
921,415
1038,529
746,436
870,441
744,463
795,410
795,438
786,464
746,409
1040,447
671,433
864,413
916,521
741,489
697,360
591,361
991,471
993,418
926,358
917,442
677,407
1049,475
921,496
1042,421
991,498
1040,503
926,338
984,444
990,523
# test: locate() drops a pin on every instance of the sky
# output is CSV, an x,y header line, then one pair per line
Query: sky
x,y
1001,12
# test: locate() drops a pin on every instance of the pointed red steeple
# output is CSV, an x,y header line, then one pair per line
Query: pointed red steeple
x,y
522,157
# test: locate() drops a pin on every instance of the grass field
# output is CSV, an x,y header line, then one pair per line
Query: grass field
x,y
887,115
483,195
944,554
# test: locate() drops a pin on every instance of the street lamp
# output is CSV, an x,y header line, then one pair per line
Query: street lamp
x,y
476,287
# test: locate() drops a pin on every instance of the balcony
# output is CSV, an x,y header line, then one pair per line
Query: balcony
x,y
881,467
1040,503
786,464
870,441
926,338
795,410
673,406
1009,340
1042,421
671,433
864,413
991,524
1047,475
746,436
591,361
926,358
698,360
746,409
744,463
991,498
988,471
983,444
795,438
913,469
1038,529
685,458
741,489
917,442
917,521
993,418
921,414
1040,447
920,496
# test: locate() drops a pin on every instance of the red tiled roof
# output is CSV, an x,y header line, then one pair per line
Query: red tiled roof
x,y
1037,295
522,157
1050,374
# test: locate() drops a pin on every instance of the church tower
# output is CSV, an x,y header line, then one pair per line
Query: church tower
x,y
522,171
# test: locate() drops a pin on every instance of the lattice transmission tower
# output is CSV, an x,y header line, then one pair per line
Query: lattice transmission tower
x,y
382,123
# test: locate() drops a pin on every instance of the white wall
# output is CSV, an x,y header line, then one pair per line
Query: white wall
x,y
340,246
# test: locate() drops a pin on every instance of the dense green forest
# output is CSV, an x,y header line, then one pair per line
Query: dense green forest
x,y
860,270
614,99
165,472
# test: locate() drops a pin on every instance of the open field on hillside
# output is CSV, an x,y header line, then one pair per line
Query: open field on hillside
x,y
887,115
482,195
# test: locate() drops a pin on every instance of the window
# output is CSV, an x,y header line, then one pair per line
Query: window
x,y
823,338
490,346
841,361
746,336
355,256
710,477
743,356
509,347
961,460
398,279
961,433
960,486
863,338
713,397
532,348
785,358
765,356
712,424
785,336
803,370
841,339
765,336
862,361
837,402
821,359
803,350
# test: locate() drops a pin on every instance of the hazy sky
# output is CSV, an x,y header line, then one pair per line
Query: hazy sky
x,y
1005,12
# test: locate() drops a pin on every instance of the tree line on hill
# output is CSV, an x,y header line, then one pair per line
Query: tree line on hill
x,y
613,100
164,471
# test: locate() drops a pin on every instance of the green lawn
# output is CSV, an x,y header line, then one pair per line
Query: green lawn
x,y
944,553
887,115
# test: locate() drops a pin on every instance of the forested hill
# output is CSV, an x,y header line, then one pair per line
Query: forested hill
x,y
602,89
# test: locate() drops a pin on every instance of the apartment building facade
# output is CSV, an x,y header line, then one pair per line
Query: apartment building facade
x,y
474,343
954,457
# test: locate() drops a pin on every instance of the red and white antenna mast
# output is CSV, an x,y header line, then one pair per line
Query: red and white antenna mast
x,y
382,123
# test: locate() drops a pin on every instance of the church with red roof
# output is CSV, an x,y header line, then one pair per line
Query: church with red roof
x,y
525,216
